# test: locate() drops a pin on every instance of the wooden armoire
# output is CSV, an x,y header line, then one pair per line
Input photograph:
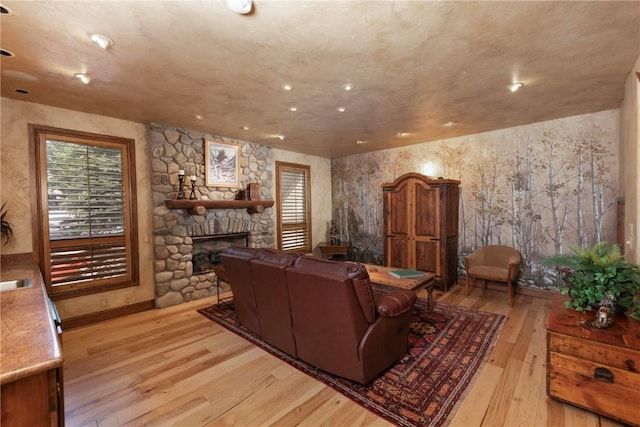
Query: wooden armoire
x,y
421,225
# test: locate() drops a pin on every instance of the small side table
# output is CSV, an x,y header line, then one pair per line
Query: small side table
x,y
221,276
330,251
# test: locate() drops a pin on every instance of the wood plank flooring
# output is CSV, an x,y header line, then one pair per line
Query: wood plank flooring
x,y
173,367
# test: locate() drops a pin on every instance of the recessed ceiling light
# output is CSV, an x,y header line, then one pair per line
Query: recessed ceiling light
x,y
293,108
245,127
401,134
102,41
280,137
341,109
198,117
19,75
348,86
240,6
23,91
449,124
4,52
513,87
360,141
84,78
287,87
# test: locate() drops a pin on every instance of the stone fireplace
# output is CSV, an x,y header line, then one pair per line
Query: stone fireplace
x,y
181,235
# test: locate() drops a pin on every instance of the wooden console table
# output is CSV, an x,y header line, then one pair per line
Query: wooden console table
x,y
329,251
596,369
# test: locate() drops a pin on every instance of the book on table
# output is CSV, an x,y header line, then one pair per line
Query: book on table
x,y
406,274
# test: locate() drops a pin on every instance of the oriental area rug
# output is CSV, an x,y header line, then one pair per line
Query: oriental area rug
x,y
447,348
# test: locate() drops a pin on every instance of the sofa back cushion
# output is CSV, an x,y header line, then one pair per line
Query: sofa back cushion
x,y
272,297
236,264
331,308
498,256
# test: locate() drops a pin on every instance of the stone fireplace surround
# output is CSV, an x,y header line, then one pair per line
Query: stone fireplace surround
x,y
173,229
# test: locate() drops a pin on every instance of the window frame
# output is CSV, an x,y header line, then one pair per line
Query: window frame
x,y
306,169
38,134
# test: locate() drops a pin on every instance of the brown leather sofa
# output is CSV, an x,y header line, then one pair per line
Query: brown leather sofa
x,y
320,311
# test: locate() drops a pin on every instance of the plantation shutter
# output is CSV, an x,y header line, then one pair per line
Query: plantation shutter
x,y
86,212
294,209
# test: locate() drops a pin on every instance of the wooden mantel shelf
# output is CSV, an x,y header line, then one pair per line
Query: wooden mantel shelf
x,y
199,207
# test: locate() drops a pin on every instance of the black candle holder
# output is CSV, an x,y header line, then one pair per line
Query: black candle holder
x,y
180,185
192,195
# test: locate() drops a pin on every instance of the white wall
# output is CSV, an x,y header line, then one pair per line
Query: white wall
x,y
630,163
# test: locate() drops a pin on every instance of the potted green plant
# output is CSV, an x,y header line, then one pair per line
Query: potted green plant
x,y
591,274
5,227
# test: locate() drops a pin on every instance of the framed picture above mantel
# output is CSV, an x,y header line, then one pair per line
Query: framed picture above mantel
x,y
222,163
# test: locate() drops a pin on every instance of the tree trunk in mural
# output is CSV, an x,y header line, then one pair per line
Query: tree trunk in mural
x,y
454,161
523,219
606,200
556,189
489,210
580,229
603,196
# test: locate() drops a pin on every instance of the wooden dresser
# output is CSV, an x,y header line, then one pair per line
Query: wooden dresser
x,y
598,370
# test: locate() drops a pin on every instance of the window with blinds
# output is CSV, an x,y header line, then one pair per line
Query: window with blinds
x,y
86,211
294,207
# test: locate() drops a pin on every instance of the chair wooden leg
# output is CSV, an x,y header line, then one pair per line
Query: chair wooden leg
x,y
467,284
510,289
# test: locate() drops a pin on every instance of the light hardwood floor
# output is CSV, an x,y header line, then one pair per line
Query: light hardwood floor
x,y
175,367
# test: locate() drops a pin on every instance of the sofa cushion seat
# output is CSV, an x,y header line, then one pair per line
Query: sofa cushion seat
x,y
490,272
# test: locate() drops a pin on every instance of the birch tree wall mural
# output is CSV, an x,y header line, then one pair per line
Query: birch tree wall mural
x,y
540,188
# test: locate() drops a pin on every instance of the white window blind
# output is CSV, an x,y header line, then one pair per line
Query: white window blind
x,y
85,212
294,210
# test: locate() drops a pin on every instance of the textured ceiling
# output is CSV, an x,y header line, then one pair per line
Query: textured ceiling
x,y
416,65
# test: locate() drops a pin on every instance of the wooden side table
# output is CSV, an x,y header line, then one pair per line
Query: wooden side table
x,y
221,276
596,369
330,251
380,276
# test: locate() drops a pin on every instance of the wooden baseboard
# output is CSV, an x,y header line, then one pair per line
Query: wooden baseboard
x,y
87,319
518,290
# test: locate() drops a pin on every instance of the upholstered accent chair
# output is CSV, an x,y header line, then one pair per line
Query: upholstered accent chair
x,y
496,263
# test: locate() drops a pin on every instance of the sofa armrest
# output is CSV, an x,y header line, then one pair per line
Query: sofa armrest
x,y
472,260
395,303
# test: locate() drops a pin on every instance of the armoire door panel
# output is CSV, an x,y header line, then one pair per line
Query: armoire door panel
x,y
427,222
428,256
398,208
397,252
